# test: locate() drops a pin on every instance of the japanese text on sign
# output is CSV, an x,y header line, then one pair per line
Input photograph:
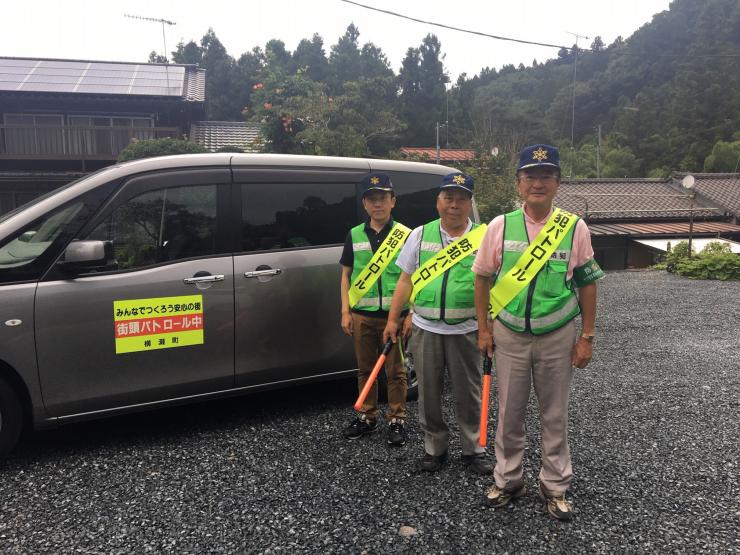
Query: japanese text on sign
x,y
158,323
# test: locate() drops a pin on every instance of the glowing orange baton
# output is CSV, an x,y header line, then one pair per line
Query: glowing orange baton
x,y
487,364
374,374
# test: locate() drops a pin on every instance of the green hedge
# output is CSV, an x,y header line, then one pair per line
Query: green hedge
x,y
715,261
710,266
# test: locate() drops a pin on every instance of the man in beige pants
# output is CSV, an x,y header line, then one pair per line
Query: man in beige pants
x,y
535,334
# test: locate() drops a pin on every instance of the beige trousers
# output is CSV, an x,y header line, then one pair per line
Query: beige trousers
x,y
523,359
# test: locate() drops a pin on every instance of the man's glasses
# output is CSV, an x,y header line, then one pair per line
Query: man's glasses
x,y
546,179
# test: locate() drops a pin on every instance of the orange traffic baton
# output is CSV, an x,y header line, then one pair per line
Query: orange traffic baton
x,y
373,375
487,365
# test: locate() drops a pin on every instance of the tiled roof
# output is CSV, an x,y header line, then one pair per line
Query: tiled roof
x,y
446,154
723,189
628,199
194,88
41,75
218,134
663,228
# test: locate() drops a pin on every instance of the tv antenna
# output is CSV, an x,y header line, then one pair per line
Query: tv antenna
x,y
164,39
573,108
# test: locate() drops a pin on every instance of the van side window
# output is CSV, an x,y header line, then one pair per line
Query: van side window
x,y
416,195
161,225
289,216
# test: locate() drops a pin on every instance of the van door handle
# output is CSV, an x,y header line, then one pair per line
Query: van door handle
x,y
262,273
204,279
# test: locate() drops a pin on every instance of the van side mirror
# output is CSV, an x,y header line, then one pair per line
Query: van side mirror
x,y
86,255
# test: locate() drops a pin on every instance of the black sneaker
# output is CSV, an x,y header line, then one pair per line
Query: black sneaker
x,y
496,497
557,505
478,463
359,427
396,433
432,463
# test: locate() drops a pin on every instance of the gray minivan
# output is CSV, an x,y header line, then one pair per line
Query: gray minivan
x,y
181,278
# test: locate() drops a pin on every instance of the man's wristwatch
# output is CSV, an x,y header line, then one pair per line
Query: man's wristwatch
x,y
588,337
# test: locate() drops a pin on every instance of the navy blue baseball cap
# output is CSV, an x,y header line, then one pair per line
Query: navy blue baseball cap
x,y
376,182
540,155
457,180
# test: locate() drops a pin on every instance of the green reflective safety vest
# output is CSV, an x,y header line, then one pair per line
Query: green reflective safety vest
x,y
549,302
449,297
379,295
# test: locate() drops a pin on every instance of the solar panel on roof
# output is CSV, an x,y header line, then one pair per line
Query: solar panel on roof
x,y
50,87
102,89
50,79
106,73
91,77
63,63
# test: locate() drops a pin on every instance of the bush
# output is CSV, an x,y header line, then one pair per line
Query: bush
x,y
158,147
716,261
676,254
716,247
710,266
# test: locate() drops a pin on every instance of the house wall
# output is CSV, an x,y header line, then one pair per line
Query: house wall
x,y
640,256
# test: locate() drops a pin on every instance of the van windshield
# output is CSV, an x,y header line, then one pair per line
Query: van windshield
x,y
34,241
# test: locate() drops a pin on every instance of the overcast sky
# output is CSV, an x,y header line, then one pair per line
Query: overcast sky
x,y
97,30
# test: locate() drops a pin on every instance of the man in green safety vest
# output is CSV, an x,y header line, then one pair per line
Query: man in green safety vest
x,y
536,257
368,280
436,277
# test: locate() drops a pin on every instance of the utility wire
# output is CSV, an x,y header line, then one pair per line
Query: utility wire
x,y
395,14
522,41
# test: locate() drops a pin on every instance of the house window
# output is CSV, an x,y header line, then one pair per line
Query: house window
x,y
34,134
106,135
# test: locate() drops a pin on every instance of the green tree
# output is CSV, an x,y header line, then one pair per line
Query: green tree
x,y
155,58
311,58
620,162
344,60
724,157
189,53
422,81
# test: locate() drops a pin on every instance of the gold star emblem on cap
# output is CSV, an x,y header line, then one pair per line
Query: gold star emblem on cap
x,y
540,154
374,180
458,180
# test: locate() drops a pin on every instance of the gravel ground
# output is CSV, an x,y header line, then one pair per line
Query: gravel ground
x,y
654,435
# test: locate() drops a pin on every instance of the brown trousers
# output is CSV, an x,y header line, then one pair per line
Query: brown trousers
x,y
523,359
368,336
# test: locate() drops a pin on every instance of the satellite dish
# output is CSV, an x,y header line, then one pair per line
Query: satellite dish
x,y
688,182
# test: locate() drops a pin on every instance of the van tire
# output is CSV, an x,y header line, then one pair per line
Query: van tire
x,y
412,385
11,417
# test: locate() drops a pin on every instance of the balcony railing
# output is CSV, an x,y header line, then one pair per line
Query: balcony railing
x,y
73,142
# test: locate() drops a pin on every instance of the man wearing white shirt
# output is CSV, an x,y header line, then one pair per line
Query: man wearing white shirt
x,y
444,331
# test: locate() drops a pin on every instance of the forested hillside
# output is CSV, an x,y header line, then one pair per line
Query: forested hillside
x,y
666,98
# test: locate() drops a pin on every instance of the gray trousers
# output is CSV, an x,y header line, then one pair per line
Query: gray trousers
x,y
460,355
523,359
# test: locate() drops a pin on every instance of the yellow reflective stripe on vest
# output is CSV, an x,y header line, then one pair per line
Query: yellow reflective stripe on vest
x,y
446,259
531,261
378,263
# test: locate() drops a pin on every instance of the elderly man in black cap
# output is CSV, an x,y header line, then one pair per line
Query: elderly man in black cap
x,y
368,280
436,276
537,257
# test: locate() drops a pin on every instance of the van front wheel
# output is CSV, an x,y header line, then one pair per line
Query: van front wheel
x,y
11,418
